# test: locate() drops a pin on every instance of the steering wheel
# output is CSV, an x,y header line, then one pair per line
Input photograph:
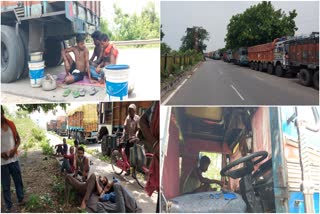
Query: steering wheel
x,y
247,168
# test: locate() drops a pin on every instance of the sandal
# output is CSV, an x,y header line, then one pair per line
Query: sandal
x,y
82,92
75,93
92,91
66,92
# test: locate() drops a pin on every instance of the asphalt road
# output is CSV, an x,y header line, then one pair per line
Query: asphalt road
x,y
144,76
218,83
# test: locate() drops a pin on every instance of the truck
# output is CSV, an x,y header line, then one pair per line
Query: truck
x,y
240,56
41,26
269,56
303,59
52,125
112,116
227,56
267,158
216,55
62,126
83,123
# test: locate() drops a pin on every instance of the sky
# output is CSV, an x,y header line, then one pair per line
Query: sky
x,y
214,16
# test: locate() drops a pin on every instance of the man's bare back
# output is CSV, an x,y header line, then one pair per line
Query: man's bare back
x,y
80,58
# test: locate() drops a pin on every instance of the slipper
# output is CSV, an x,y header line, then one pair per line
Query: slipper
x,y
82,92
75,93
66,92
92,91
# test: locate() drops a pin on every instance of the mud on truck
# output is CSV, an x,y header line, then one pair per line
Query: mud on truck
x,y
41,26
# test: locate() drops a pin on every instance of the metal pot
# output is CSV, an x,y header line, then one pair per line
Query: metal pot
x,y
49,83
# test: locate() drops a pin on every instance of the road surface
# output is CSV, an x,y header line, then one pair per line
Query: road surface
x,y
220,83
147,204
144,75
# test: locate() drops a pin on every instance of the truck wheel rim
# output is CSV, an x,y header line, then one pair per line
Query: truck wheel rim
x,y
4,56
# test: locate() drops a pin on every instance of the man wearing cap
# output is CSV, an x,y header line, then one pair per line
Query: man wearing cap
x,y
131,128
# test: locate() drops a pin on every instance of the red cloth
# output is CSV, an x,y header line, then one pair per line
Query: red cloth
x,y
107,50
70,157
154,176
14,131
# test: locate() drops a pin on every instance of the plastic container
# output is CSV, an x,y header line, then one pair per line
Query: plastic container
x,y
117,77
36,73
36,57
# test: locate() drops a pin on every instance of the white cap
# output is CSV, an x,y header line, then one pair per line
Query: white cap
x,y
133,106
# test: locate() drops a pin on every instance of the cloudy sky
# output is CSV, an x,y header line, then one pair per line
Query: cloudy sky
x,y
214,16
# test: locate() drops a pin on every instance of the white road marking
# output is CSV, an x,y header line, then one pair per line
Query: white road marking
x,y
174,92
259,78
237,91
195,70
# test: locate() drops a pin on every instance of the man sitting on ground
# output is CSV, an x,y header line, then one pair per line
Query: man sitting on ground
x,y
68,160
76,70
81,165
98,49
61,149
195,182
110,53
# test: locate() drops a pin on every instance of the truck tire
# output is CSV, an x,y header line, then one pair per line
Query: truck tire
x,y
270,69
12,56
316,79
279,71
260,67
305,77
24,38
256,66
52,53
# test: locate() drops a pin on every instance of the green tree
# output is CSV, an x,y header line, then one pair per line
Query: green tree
x,y
192,36
161,33
165,49
136,26
104,28
37,107
259,24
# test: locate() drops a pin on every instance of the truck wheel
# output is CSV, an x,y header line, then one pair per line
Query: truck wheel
x,y
12,55
256,66
24,38
52,52
305,77
270,69
316,79
279,71
261,67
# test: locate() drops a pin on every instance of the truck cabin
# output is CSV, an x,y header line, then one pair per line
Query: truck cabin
x,y
241,158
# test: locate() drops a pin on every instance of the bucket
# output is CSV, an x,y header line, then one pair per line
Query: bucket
x,y
36,73
117,77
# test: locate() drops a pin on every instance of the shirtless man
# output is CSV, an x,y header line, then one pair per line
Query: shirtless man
x,y
110,53
98,49
76,70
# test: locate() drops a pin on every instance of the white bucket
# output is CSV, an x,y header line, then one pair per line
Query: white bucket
x,y
36,73
117,77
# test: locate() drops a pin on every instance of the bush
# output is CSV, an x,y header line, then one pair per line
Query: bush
x,y
38,134
47,149
33,202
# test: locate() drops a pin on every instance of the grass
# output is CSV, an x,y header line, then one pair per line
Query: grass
x,y
105,158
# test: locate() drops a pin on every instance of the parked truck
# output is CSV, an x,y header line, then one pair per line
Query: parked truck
x,y
52,125
240,56
269,56
227,56
62,126
83,123
267,158
41,26
303,59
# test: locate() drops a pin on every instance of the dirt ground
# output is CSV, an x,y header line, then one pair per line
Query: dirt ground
x,y
40,174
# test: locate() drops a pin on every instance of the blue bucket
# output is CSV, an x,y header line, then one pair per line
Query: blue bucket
x,y
36,73
117,77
